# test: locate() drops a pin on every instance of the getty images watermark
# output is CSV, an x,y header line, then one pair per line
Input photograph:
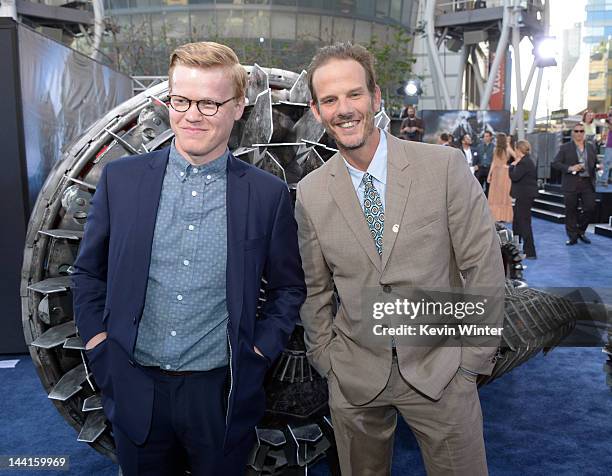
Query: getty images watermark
x,y
454,317
407,309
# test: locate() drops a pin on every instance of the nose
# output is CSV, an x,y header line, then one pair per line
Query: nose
x,y
345,108
193,114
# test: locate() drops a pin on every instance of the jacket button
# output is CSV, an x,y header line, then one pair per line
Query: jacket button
x,y
387,288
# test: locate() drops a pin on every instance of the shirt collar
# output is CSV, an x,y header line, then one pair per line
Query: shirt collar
x,y
378,166
182,168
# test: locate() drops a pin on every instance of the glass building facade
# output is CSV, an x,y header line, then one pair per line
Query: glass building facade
x,y
599,21
598,34
273,33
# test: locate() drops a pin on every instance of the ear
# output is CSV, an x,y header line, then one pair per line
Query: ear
x,y
314,107
239,109
377,99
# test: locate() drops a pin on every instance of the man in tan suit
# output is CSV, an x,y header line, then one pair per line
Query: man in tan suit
x,y
381,215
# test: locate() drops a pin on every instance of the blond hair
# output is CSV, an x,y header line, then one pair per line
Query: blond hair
x,y
524,147
207,54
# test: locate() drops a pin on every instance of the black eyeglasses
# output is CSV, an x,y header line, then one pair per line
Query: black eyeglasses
x,y
579,131
207,107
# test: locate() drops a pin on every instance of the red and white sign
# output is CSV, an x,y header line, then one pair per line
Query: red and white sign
x,y
496,102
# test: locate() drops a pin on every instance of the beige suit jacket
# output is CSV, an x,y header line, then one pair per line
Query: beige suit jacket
x,y
438,233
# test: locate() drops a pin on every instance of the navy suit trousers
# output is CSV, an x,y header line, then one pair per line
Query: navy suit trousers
x,y
187,429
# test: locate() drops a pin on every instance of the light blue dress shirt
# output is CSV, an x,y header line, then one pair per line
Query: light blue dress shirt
x,y
184,321
377,169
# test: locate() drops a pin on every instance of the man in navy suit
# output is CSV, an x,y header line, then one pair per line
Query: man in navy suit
x,y
167,281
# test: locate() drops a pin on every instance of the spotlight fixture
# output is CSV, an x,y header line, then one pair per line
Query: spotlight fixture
x,y
545,51
411,88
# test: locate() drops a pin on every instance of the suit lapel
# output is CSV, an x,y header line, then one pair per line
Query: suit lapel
x,y
237,211
591,157
342,191
149,193
574,153
396,196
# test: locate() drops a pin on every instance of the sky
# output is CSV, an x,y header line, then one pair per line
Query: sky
x,y
563,15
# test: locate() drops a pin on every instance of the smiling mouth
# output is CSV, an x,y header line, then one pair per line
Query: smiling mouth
x,y
347,125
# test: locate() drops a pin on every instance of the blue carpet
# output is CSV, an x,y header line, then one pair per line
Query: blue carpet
x,y
551,416
31,426
559,265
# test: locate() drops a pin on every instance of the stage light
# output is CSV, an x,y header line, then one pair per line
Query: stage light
x,y
413,88
545,51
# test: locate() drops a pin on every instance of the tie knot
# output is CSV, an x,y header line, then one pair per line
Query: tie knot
x,y
368,179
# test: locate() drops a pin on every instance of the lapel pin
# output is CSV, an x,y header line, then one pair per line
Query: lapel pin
x,y
395,228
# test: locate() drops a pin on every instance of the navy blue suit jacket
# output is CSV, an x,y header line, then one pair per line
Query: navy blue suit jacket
x,y
110,281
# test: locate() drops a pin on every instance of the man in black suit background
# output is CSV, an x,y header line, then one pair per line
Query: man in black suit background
x,y
577,162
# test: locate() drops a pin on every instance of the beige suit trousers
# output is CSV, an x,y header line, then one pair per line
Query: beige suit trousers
x,y
449,430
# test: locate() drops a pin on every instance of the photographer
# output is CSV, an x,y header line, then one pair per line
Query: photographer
x,y
412,127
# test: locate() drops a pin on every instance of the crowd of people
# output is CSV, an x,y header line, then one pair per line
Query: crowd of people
x,y
506,171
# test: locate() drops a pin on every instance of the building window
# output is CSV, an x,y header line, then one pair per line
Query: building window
x,y
229,23
308,28
257,25
382,8
363,32
343,29
366,8
346,7
203,25
396,9
283,26
326,29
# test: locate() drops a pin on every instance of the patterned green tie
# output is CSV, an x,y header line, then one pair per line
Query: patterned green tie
x,y
373,211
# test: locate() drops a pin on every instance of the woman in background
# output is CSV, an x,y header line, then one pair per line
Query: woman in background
x,y
590,131
510,148
500,202
524,189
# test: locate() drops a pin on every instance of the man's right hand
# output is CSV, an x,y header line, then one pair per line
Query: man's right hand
x,y
95,340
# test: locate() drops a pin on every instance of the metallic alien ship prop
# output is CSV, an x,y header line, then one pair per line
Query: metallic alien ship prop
x,y
278,133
